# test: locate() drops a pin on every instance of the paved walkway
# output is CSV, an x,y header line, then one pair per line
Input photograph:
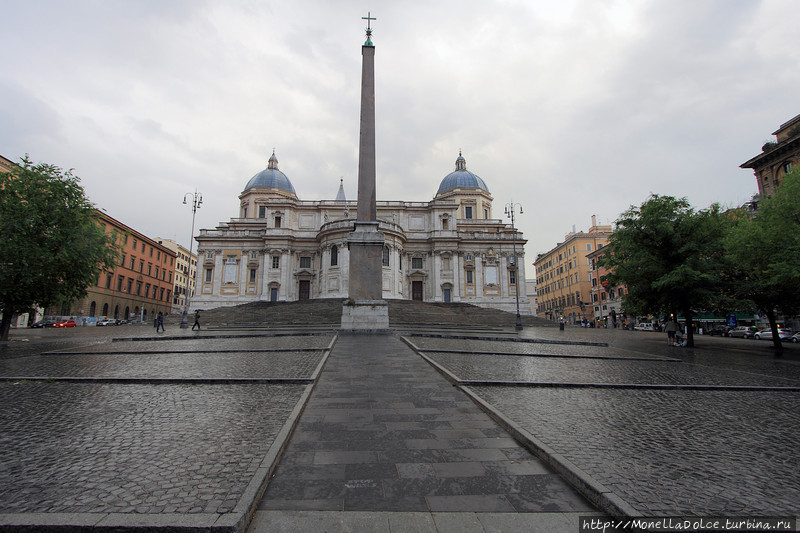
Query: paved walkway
x,y
182,431
384,432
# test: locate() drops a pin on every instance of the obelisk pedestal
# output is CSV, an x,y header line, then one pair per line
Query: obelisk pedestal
x,y
365,309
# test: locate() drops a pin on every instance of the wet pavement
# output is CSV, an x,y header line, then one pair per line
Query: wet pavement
x,y
186,431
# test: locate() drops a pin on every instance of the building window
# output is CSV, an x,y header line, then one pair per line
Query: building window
x,y
262,212
122,262
138,288
133,262
470,277
512,276
467,212
277,222
416,262
209,275
147,290
486,214
305,262
119,283
130,285
209,255
334,256
385,257
276,261
253,272
445,263
150,269
108,281
141,266
134,244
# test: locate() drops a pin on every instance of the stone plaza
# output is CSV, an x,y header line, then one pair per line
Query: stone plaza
x,y
449,422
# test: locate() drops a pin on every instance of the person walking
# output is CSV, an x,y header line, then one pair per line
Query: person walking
x,y
671,327
160,321
196,320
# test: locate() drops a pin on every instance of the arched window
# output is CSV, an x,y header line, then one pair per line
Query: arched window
x,y
92,308
334,255
385,259
105,309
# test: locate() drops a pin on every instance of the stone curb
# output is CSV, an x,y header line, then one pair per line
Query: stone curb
x,y
509,339
161,381
226,336
594,491
628,386
134,352
604,498
562,356
252,495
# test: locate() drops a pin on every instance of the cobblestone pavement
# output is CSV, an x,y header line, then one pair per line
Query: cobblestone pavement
x,y
93,448
706,453
665,452
557,370
176,366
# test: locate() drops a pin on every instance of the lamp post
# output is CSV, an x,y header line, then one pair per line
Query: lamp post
x,y
510,212
197,200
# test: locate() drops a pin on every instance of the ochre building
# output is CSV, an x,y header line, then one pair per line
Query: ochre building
x,y
777,158
563,276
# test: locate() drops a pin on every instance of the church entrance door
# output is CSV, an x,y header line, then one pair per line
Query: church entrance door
x,y
305,289
416,290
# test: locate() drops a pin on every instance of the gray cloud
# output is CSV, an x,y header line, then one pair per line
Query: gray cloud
x,y
571,108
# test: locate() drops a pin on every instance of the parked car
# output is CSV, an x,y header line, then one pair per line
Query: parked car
x,y
68,323
719,330
107,322
796,337
745,332
41,324
644,326
783,334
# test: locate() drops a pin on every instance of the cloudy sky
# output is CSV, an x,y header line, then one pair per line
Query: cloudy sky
x,y
571,108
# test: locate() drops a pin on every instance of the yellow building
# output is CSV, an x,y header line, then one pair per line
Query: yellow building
x,y
563,276
777,158
185,271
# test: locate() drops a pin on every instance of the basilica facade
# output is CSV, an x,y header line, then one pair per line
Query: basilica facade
x,y
281,248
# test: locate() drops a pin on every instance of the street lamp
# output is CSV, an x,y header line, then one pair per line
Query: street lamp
x,y
197,199
510,212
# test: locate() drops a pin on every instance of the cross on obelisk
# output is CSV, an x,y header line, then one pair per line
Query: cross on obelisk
x,y
365,242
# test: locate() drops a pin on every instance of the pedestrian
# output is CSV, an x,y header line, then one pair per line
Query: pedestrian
x,y
160,322
671,327
196,320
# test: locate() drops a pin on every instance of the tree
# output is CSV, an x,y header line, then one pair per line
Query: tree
x,y
670,257
765,251
53,246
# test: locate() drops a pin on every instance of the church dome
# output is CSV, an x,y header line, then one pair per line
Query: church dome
x,y
271,178
461,178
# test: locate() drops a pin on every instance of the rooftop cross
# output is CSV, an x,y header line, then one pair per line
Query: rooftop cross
x,y
369,19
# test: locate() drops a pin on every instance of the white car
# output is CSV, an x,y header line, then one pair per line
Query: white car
x,y
107,322
644,326
784,334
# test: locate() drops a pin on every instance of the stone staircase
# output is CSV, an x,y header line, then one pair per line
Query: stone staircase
x,y
327,313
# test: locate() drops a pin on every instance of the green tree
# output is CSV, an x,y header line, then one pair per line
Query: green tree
x,y
669,256
765,253
53,246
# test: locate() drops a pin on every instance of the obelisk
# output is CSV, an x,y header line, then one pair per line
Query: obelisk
x,y
365,309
